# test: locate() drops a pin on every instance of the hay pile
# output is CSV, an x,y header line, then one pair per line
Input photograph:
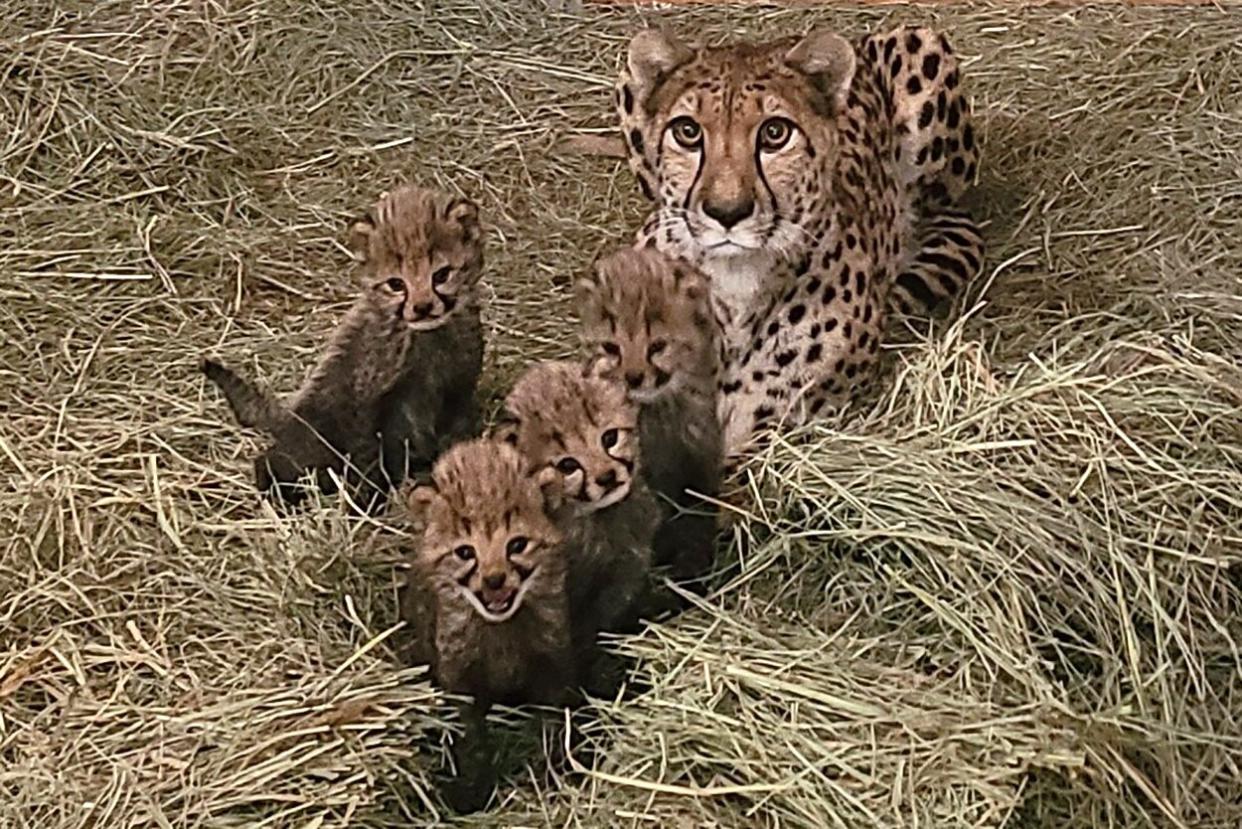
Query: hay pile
x,y
1008,595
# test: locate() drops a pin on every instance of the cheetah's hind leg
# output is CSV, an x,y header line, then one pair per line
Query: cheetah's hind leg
x,y
948,255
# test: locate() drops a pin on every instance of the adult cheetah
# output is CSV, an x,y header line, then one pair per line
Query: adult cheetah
x,y
815,182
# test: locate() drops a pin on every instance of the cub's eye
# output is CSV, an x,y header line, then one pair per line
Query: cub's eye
x,y
516,546
465,552
609,438
441,276
775,133
686,132
611,349
567,466
395,285
656,347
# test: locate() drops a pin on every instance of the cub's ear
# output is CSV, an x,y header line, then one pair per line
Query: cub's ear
x,y
360,233
828,60
552,487
587,289
419,498
506,429
465,214
653,54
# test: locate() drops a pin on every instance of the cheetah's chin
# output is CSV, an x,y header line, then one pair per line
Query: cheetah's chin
x,y
491,616
616,496
429,324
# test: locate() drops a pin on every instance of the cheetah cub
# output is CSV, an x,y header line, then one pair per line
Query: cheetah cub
x,y
585,430
647,320
397,381
485,597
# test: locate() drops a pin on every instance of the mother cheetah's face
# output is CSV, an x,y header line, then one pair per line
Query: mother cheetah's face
x,y
734,142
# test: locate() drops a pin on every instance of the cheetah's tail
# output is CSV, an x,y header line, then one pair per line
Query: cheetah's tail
x,y
252,406
950,254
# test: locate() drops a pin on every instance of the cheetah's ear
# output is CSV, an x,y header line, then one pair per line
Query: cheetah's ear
x,y
552,487
828,59
653,54
360,233
419,499
587,289
506,429
465,214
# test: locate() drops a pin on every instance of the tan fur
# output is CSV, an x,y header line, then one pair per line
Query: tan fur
x,y
813,182
585,428
487,532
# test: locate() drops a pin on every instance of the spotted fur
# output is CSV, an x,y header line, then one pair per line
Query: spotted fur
x,y
814,182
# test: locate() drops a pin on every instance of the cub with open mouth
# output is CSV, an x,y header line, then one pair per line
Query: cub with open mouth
x,y
485,596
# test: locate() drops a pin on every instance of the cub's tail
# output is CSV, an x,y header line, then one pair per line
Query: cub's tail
x,y
252,406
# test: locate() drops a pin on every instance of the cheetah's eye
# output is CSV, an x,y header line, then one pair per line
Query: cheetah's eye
x,y
567,466
611,349
395,285
775,133
686,132
465,552
516,545
609,438
656,347
441,276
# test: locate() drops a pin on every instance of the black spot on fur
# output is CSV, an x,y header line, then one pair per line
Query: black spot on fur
x,y
931,66
796,314
773,327
950,80
847,296
812,285
627,100
757,376
937,148
764,413
867,313
926,114
647,194
958,166
731,388
848,330
814,353
830,325
896,68
921,158
913,43
913,85
786,357
889,46
636,140
941,104
830,295
863,339
850,371
860,281
968,137
955,116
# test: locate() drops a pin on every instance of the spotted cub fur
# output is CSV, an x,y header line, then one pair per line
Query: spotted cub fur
x,y
485,598
647,321
585,430
403,363
814,181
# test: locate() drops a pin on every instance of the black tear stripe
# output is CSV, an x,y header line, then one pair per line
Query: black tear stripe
x,y
776,207
464,580
698,173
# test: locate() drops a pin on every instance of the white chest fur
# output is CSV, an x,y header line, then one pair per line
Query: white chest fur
x,y
737,281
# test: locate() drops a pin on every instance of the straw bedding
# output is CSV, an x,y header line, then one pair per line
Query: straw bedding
x,y
1006,594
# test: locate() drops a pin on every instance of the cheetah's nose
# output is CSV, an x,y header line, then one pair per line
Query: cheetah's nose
x,y
633,379
608,480
422,311
495,581
729,213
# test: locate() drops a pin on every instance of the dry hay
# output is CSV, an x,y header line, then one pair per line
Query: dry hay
x,y
1007,595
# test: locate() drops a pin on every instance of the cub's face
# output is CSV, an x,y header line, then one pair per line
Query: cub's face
x,y
582,429
735,142
647,322
423,253
486,531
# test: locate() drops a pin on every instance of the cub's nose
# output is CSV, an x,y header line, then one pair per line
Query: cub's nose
x,y
633,379
608,480
422,311
729,213
494,581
